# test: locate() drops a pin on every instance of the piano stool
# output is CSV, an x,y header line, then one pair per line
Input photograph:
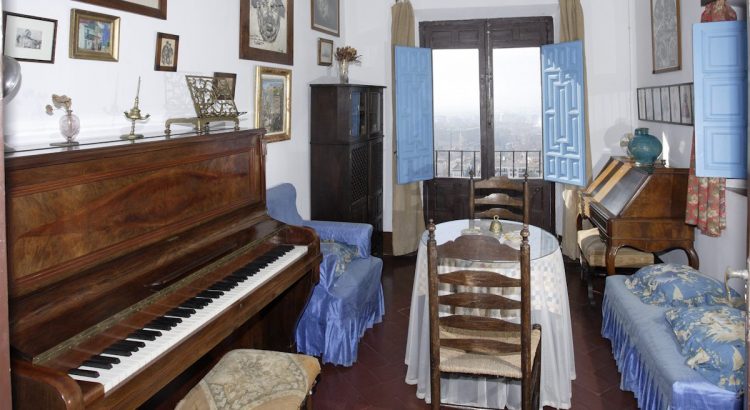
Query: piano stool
x,y
593,254
255,379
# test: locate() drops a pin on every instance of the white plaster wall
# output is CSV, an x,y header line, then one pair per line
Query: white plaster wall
x,y
209,41
729,250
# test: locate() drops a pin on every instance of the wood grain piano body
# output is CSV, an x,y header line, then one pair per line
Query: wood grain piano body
x,y
100,239
640,208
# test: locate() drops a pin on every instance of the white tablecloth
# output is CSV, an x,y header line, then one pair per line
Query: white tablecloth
x,y
549,308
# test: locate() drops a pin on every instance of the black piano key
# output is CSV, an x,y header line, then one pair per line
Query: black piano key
x,y
172,321
210,294
84,373
124,346
144,334
158,326
117,352
105,359
180,312
233,279
135,343
97,364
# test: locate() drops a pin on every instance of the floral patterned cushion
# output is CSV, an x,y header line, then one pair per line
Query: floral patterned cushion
x,y
340,255
254,379
670,284
713,339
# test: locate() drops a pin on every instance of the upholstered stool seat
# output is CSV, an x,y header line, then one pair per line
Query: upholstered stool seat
x,y
254,379
594,254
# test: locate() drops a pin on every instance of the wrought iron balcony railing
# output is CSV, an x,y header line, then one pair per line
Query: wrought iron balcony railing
x,y
513,164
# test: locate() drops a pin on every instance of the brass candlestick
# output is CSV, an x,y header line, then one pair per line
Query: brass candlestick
x,y
134,115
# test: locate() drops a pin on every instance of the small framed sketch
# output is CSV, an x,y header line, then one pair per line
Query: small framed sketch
x,y
94,36
267,31
29,38
666,50
325,52
225,84
672,104
273,102
167,50
153,8
325,16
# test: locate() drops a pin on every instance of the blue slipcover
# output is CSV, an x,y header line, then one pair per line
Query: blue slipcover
x,y
344,303
649,358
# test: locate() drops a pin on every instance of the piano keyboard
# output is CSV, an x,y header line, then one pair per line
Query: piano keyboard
x,y
126,357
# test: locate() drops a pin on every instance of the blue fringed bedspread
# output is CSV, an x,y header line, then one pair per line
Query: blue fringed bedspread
x,y
649,358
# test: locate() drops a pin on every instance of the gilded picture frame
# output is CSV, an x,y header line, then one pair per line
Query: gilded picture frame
x,y
267,31
29,38
324,16
167,51
325,52
151,8
666,48
94,36
225,84
273,102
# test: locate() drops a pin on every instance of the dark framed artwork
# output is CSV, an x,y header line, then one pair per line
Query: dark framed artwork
x,y
29,38
325,52
267,30
671,104
153,8
167,50
225,84
94,36
325,16
273,102
666,50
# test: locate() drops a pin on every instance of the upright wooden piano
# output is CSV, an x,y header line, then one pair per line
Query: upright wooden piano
x,y
639,207
134,266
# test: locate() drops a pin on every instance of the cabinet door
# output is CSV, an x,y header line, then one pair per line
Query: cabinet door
x,y
360,179
357,113
375,113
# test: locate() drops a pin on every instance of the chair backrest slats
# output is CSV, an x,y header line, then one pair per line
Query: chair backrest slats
x,y
496,196
479,323
481,346
479,279
470,300
502,213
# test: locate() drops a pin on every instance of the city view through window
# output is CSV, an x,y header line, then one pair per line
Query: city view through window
x,y
517,112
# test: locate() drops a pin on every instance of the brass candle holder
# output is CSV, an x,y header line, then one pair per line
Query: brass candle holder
x,y
134,115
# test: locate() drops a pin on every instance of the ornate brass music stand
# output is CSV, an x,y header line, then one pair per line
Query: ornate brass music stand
x,y
208,106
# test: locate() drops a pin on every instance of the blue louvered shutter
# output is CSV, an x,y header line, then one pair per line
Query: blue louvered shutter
x,y
413,87
720,73
563,106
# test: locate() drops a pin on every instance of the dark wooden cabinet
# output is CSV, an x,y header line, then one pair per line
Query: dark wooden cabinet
x,y
346,155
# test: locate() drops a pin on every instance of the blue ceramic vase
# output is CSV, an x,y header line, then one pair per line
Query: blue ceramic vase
x,y
644,147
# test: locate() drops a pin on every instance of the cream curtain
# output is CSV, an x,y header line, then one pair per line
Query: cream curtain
x,y
571,29
408,218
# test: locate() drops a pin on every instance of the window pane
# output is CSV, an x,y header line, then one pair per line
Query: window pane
x,y
518,111
455,79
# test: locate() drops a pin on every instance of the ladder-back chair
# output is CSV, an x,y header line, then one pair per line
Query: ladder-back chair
x,y
496,196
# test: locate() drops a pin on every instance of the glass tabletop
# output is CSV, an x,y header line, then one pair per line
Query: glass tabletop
x,y
541,242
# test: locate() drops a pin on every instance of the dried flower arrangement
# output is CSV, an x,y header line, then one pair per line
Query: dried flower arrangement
x,y
347,53
60,101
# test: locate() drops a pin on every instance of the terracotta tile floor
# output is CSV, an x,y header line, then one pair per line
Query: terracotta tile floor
x,y
376,381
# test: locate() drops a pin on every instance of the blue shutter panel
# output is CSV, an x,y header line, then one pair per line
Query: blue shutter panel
x,y
413,78
562,101
720,71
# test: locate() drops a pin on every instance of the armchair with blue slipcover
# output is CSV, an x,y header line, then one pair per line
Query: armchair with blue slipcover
x,y
349,297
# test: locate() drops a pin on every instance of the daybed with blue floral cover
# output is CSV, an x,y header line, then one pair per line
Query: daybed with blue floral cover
x,y
349,297
654,358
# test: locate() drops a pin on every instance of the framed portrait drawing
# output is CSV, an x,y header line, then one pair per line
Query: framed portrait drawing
x,y
325,16
273,102
267,30
225,84
29,38
325,52
666,50
167,47
153,8
94,36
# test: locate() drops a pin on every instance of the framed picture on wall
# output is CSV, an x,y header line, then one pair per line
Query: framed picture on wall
x,y
666,115
267,30
167,47
153,8
649,105
325,52
94,36
674,102
671,104
665,35
325,16
29,38
686,104
273,102
656,93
